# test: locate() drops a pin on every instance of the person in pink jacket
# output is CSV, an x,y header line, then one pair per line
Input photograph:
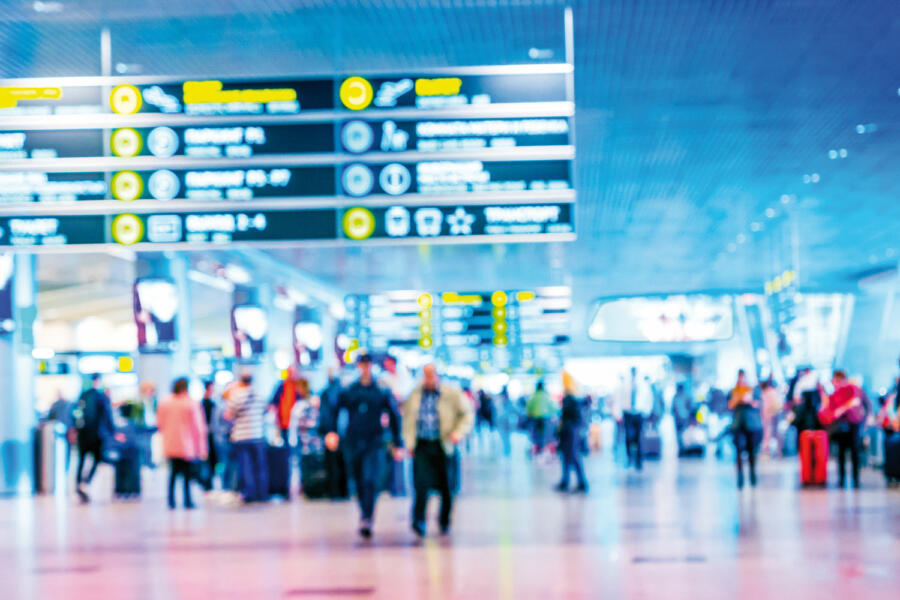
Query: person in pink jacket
x,y
181,423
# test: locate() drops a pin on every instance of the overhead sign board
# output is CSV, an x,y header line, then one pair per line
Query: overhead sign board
x,y
475,140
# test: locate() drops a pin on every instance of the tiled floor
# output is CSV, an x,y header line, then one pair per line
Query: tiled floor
x,y
678,530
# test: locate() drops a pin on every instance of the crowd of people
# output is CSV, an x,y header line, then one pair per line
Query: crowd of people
x,y
240,445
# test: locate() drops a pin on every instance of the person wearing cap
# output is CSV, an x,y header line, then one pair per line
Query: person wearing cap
x,y
365,402
435,419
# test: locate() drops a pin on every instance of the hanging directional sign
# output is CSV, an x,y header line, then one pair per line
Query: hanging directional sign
x,y
455,154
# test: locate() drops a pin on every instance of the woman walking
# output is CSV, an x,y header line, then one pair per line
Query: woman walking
x,y
183,428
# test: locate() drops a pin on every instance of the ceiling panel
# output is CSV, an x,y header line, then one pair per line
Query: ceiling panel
x,y
694,118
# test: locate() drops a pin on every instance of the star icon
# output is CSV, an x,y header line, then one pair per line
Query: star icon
x,y
461,222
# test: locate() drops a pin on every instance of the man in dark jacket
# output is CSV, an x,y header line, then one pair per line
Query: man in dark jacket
x,y
365,402
571,432
335,466
94,422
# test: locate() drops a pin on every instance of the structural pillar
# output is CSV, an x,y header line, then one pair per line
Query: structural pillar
x,y
17,415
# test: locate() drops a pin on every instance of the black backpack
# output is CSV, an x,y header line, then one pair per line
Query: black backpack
x,y
87,412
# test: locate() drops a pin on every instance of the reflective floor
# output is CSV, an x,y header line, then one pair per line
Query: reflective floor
x,y
678,530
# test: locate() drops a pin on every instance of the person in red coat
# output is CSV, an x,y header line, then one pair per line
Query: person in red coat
x,y
844,412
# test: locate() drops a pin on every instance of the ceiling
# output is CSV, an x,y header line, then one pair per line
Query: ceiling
x,y
703,128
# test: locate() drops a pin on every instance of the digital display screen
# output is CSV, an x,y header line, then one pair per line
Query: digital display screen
x,y
308,336
447,177
439,91
450,320
211,142
24,100
19,187
249,325
222,184
216,97
53,230
42,144
678,318
227,141
458,221
155,310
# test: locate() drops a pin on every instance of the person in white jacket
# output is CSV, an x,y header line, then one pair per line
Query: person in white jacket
x,y
634,401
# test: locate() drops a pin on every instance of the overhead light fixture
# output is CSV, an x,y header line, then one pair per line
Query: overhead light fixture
x,y
337,310
741,238
297,297
210,280
755,226
237,274
770,213
43,353
47,7
283,303
540,53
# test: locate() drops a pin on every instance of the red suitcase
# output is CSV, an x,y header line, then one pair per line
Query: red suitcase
x,y
813,457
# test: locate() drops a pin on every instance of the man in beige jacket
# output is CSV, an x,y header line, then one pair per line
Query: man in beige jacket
x,y
435,418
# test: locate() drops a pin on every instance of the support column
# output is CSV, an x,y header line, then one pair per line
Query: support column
x,y
161,368
17,416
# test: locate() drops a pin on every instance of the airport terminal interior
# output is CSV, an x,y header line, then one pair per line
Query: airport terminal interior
x,y
449,299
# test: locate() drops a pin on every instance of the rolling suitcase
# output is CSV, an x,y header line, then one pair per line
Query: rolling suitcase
x,y
651,445
314,475
128,473
278,459
693,441
813,457
892,457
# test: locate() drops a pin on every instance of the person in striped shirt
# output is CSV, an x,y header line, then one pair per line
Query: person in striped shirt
x,y
247,409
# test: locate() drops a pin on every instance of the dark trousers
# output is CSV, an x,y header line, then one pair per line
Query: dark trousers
x,y
336,469
633,423
95,450
212,460
744,439
431,470
572,460
178,467
253,470
847,440
230,474
365,467
538,433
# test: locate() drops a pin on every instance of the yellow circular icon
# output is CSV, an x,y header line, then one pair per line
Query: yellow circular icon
x,y
126,142
359,223
425,301
356,93
127,186
498,298
127,229
125,99
426,343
